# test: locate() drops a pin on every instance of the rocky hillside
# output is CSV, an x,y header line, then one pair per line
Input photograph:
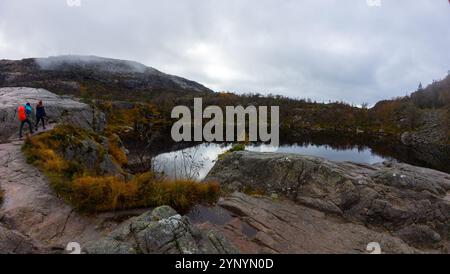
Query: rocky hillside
x,y
423,117
404,208
58,109
81,75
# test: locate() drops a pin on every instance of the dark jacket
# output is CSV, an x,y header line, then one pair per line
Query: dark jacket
x,y
40,112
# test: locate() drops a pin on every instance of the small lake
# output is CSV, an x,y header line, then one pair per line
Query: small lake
x,y
195,162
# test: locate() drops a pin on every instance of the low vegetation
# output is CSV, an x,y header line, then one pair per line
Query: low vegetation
x,y
254,191
234,148
145,190
116,152
88,190
237,147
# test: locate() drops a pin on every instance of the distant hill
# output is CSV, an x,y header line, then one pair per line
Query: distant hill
x,y
83,75
423,117
436,95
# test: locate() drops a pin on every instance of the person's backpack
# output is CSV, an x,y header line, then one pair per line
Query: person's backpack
x,y
28,110
22,112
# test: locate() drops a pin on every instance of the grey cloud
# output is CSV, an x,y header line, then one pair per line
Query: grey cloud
x,y
326,50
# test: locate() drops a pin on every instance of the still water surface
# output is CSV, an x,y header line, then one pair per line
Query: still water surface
x,y
195,162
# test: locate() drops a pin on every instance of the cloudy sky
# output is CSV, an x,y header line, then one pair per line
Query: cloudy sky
x,y
321,49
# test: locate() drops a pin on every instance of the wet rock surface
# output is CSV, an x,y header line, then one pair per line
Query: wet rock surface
x,y
403,202
262,225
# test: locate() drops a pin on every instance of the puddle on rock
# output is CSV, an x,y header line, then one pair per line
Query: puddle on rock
x,y
248,230
218,216
214,215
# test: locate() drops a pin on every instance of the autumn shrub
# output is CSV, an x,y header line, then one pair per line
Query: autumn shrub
x,y
183,194
111,193
102,193
116,151
254,191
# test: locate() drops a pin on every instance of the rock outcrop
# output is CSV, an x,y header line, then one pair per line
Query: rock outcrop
x,y
161,231
58,109
407,202
94,155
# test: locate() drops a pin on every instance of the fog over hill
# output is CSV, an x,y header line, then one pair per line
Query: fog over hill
x,y
67,62
72,73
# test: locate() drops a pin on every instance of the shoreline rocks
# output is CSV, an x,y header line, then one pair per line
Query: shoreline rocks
x,y
402,200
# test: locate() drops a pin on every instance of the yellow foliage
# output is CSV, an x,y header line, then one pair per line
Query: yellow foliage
x,y
112,193
115,151
102,193
50,161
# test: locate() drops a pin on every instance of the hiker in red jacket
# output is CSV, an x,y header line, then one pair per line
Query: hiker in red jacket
x,y
24,112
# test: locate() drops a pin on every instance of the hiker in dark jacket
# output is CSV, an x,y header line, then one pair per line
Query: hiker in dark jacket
x,y
40,115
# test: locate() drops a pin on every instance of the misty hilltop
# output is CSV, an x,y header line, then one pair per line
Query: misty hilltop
x,y
76,74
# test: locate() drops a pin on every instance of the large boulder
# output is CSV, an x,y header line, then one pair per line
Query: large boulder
x,y
161,231
410,201
58,109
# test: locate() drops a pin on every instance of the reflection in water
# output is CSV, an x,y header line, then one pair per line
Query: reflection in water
x,y
190,163
195,162
361,155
